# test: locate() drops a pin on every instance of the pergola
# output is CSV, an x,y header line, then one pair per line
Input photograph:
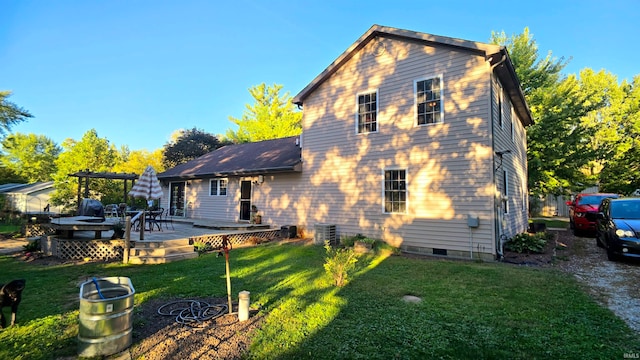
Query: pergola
x,y
86,175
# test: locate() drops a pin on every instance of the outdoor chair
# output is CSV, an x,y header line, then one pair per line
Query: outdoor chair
x,y
166,219
111,210
152,219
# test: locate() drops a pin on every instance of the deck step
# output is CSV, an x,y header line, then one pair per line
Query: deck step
x,y
144,244
140,252
162,259
230,226
160,252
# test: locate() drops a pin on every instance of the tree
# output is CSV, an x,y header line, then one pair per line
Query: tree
x,y
10,113
271,116
8,176
91,153
558,141
606,123
621,172
136,161
30,156
188,145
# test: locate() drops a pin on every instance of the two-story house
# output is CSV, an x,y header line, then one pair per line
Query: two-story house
x,y
408,137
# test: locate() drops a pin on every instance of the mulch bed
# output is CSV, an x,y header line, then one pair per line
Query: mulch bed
x,y
557,250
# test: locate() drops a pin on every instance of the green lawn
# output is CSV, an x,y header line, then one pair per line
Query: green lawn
x,y
9,228
469,310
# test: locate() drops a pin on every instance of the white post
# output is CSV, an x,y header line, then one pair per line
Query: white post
x,y
243,305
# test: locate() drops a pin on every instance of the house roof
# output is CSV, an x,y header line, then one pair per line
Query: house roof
x,y
25,188
495,54
268,156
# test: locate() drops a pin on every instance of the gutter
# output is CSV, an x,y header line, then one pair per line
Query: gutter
x,y
281,169
496,226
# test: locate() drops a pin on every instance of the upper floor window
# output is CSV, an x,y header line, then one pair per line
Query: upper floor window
x,y
367,115
500,107
218,187
395,191
513,130
429,101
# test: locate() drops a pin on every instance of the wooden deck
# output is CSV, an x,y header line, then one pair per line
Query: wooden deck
x,y
174,242
65,226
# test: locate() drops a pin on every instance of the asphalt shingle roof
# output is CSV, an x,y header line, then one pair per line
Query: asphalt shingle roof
x,y
268,156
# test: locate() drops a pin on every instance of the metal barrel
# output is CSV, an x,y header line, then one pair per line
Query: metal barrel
x,y
106,314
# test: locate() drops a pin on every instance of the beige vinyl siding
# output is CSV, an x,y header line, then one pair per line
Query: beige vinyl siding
x,y
280,199
515,163
449,164
201,205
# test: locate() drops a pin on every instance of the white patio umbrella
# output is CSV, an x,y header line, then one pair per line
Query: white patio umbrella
x,y
148,188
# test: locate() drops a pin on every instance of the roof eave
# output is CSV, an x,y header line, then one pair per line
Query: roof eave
x,y
249,172
507,72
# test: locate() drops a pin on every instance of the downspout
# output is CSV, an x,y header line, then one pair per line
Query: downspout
x,y
498,240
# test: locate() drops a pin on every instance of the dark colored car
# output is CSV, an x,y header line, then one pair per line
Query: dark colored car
x,y
618,227
583,211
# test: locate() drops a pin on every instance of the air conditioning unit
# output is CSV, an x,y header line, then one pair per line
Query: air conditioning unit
x,y
325,232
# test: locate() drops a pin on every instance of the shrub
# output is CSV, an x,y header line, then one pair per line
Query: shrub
x,y
367,240
255,240
32,246
348,241
201,247
383,247
339,263
525,242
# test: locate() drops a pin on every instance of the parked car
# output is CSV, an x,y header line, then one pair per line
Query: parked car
x,y
583,211
618,227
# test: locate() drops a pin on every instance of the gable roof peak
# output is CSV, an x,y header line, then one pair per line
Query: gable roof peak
x,y
495,54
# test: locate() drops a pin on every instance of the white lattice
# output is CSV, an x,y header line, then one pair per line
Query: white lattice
x,y
90,249
36,230
215,240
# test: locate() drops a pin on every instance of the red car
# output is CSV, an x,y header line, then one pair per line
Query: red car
x,y
584,210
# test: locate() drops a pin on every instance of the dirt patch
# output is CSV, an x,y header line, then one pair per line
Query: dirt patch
x,y
157,336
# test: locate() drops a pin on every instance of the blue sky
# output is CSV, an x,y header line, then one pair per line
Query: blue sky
x,y
136,71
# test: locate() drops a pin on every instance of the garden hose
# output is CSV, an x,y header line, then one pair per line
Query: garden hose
x,y
192,312
95,281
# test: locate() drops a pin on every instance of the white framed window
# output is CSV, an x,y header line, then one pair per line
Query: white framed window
x,y
395,191
429,108
218,187
524,197
505,191
500,105
513,125
367,112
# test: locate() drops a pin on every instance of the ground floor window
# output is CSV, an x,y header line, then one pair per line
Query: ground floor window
x,y
218,187
505,191
395,191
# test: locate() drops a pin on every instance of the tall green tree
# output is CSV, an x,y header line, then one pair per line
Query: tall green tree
x,y
8,176
30,156
558,141
10,113
136,161
188,145
271,116
621,172
91,153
